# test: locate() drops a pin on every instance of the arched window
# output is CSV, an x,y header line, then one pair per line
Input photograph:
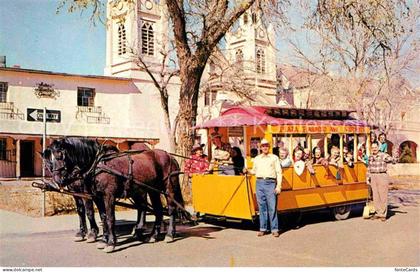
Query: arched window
x,y
239,57
122,40
147,39
260,61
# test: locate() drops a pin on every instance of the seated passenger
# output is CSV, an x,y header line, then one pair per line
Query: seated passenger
x,y
334,158
238,160
285,161
317,155
348,159
345,150
198,162
361,154
299,155
221,156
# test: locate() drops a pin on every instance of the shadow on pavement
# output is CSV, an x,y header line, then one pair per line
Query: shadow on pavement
x,y
127,239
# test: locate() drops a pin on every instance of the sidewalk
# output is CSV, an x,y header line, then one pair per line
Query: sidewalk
x,y
15,223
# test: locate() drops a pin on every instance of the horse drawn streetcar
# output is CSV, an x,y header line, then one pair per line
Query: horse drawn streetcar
x,y
328,186
101,174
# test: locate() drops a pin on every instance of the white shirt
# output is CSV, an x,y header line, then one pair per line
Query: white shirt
x,y
267,166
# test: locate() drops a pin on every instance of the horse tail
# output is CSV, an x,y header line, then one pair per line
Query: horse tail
x,y
174,180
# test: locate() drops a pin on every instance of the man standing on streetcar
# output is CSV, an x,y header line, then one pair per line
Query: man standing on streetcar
x,y
267,169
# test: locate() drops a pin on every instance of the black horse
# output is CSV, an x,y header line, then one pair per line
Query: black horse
x,y
150,172
84,206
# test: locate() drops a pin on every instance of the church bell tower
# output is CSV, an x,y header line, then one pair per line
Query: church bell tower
x,y
251,44
134,29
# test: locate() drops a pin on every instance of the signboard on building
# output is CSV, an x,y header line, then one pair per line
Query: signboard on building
x,y
36,115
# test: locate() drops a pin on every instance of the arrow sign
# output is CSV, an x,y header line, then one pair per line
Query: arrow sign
x,y
36,115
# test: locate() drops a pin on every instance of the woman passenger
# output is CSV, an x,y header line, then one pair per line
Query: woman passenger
x,y
299,155
373,137
348,159
383,146
361,154
317,155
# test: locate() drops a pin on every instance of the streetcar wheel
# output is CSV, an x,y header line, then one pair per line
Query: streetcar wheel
x,y
341,212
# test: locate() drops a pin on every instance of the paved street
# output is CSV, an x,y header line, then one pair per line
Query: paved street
x,y
27,241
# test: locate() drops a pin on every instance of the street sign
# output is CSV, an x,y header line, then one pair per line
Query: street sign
x,y
36,115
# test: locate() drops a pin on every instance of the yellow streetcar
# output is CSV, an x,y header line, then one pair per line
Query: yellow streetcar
x,y
328,186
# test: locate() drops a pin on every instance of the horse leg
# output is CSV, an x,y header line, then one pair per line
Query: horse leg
x,y
158,209
101,207
141,218
80,235
171,233
93,232
110,221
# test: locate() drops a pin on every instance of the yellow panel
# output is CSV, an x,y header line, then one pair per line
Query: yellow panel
x,y
303,181
308,200
349,174
222,195
361,171
322,197
287,178
323,177
229,196
356,194
334,197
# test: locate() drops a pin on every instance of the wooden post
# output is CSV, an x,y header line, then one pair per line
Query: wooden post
x,y
341,148
355,149
246,147
18,158
326,146
269,137
309,141
290,146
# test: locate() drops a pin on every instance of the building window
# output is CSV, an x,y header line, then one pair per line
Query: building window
x,y
3,92
245,18
85,97
260,61
147,39
122,40
239,55
254,18
3,155
209,97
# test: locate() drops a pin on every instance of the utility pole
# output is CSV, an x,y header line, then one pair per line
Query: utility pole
x,y
44,138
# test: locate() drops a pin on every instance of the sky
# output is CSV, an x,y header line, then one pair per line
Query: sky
x,y
33,36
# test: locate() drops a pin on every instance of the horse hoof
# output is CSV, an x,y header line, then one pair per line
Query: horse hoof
x,y
78,238
152,240
169,239
91,238
101,245
109,249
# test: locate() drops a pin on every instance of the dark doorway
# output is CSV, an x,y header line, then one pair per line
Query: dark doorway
x,y
27,158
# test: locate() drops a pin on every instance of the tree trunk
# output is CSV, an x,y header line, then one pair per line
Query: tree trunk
x,y
190,77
